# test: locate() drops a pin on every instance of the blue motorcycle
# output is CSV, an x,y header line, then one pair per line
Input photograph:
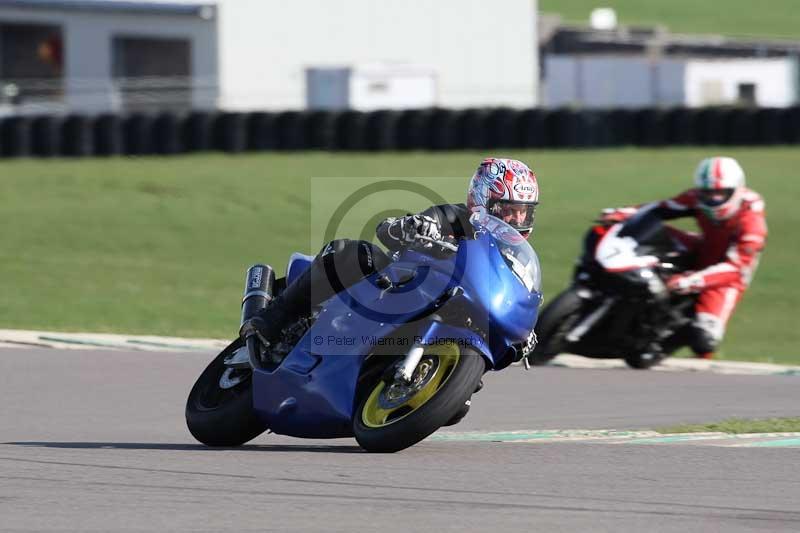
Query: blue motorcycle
x,y
388,360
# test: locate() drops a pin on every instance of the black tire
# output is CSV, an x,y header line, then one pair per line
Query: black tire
x,y
643,361
556,320
447,402
222,417
459,416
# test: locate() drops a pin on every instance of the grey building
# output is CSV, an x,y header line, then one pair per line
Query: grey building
x,y
97,55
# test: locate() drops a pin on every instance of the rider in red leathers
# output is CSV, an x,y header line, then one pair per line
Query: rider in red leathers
x,y
733,234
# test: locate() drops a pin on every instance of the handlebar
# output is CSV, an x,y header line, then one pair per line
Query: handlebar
x,y
444,244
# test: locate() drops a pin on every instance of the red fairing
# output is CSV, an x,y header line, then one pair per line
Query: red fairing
x,y
600,230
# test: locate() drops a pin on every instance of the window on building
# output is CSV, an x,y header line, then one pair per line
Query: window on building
x,y
153,72
31,63
747,94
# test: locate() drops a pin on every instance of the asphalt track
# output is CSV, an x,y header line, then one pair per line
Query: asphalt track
x,y
95,441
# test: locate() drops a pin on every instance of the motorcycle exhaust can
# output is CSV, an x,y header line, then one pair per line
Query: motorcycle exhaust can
x,y
258,290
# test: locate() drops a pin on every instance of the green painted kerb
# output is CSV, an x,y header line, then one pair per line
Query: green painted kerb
x,y
781,443
771,440
674,438
511,436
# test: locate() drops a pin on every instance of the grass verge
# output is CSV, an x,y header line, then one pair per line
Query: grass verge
x,y
734,17
160,245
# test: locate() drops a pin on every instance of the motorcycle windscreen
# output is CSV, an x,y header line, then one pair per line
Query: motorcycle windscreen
x,y
647,229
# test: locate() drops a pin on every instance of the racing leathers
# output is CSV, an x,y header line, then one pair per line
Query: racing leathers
x,y
726,256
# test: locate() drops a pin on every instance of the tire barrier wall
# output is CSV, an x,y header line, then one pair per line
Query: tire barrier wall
x,y
419,129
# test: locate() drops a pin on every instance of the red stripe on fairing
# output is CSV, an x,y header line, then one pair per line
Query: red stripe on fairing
x,y
717,173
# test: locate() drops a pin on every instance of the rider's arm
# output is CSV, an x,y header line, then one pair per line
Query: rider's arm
x,y
679,206
390,233
741,259
451,219
682,205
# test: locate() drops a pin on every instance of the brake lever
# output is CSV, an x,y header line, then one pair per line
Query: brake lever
x,y
443,244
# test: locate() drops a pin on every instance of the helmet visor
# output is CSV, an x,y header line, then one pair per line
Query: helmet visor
x,y
714,197
517,215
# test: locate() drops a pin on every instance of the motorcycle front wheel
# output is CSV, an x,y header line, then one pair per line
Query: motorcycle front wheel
x,y
394,415
556,320
219,409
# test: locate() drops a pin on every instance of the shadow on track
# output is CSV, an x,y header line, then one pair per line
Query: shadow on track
x,y
305,448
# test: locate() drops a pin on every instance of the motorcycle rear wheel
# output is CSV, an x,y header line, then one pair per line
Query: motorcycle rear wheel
x,y
388,421
219,416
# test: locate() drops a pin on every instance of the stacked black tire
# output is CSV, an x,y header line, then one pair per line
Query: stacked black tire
x,y
424,129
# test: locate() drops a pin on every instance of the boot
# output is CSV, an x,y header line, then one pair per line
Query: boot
x,y
267,324
677,340
284,309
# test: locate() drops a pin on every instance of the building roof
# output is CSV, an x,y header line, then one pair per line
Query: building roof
x,y
204,9
632,40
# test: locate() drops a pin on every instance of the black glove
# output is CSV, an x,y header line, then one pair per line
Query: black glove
x,y
414,226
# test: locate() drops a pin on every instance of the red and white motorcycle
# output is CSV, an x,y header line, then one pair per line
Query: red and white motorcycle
x,y
618,305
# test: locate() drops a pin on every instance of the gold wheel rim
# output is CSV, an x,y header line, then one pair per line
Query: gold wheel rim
x,y
375,414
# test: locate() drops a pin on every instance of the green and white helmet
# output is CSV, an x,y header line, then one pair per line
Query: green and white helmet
x,y
720,186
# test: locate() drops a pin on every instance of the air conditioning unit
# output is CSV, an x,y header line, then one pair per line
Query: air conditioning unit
x,y
370,87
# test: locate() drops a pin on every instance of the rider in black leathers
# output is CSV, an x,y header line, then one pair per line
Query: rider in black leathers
x,y
342,263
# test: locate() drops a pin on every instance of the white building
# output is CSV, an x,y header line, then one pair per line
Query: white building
x,y
768,82
635,67
98,55
596,81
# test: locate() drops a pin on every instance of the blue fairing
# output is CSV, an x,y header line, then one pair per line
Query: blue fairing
x,y
313,392
298,263
507,309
